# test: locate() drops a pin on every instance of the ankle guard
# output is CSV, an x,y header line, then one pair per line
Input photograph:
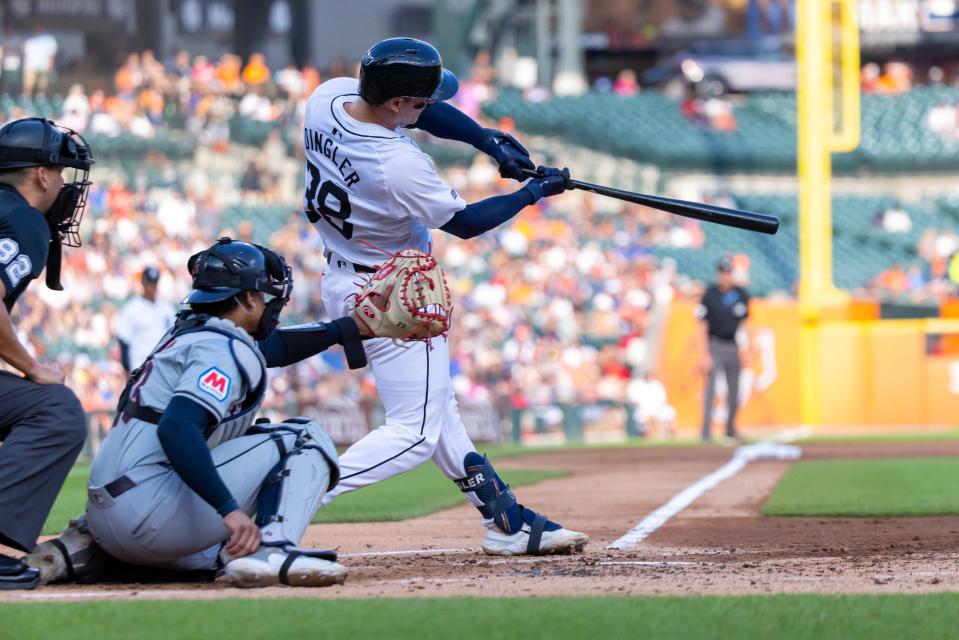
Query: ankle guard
x,y
499,503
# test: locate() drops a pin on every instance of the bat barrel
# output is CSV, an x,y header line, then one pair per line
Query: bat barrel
x,y
737,218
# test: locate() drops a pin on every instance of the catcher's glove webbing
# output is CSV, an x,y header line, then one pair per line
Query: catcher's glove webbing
x,y
407,299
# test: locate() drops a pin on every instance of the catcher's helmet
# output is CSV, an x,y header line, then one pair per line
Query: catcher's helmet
x,y
407,68
230,267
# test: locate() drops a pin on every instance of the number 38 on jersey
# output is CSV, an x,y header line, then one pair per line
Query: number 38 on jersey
x,y
329,201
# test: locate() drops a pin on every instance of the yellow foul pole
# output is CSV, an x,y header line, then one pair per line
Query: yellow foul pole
x,y
816,137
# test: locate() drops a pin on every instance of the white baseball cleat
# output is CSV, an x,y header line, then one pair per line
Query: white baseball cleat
x,y
291,566
560,542
73,554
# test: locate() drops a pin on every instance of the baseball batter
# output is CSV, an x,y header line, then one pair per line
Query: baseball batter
x,y
182,469
370,189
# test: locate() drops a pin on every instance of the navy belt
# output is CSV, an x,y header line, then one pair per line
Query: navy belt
x,y
358,268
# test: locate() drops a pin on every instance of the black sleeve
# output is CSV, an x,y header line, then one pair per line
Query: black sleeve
x,y
288,345
181,435
443,120
124,355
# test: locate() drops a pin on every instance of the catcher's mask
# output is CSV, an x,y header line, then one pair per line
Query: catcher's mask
x,y
231,267
33,142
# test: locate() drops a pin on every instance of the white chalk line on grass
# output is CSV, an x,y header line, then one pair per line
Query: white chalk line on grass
x,y
771,448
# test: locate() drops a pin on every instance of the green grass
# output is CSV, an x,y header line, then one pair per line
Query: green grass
x,y
785,617
419,492
946,435
879,487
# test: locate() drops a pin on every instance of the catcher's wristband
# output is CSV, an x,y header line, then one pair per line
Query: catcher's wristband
x,y
352,342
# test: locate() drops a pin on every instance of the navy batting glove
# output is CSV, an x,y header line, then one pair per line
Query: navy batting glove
x,y
553,182
511,156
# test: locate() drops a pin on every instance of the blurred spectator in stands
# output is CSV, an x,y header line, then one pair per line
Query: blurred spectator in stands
x,y
142,321
648,397
128,77
626,84
11,62
692,108
252,180
101,121
176,213
39,57
180,66
256,73
256,106
228,71
896,78
311,79
869,77
76,109
202,73
139,124
290,80
943,121
719,114
894,280
892,220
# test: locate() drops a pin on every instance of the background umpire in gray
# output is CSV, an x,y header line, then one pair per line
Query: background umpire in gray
x,y
723,307
42,424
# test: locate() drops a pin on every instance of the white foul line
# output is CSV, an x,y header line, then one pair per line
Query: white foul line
x,y
765,450
406,552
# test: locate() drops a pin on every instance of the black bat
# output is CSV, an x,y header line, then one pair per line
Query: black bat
x,y
707,212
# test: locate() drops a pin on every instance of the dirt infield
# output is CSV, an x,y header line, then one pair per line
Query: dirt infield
x,y
718,545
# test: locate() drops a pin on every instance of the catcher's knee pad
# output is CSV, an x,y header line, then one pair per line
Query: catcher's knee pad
x,y
499,503
308,468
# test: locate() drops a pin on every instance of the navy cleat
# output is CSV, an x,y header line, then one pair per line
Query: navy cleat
x,y
15,574
511,528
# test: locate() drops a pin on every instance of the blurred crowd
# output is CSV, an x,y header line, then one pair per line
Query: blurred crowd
x,y
932,278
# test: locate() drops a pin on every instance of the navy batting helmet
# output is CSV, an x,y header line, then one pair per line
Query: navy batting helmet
x,y
405,68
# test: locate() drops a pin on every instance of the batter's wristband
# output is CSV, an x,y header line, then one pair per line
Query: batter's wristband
x,y
352,343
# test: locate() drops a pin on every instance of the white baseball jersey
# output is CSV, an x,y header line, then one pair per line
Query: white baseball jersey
x,y
365,182
141,325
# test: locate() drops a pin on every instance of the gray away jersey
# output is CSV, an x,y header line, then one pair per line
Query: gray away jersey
x,y
200,366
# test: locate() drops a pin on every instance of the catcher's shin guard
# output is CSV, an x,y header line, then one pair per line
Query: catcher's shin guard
x,y
512,529
307,469
72,556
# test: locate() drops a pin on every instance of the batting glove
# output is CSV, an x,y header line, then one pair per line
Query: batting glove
x,y
510,155
553,182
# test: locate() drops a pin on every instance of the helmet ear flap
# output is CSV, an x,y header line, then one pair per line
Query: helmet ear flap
x,y
192,265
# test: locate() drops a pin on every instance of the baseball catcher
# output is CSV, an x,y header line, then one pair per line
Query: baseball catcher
x,y
184,468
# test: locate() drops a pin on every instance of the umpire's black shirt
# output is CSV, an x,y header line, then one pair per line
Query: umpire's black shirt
x,y
723,311
24,243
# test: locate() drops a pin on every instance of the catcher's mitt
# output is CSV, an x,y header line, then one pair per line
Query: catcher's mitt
x,y
407,298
